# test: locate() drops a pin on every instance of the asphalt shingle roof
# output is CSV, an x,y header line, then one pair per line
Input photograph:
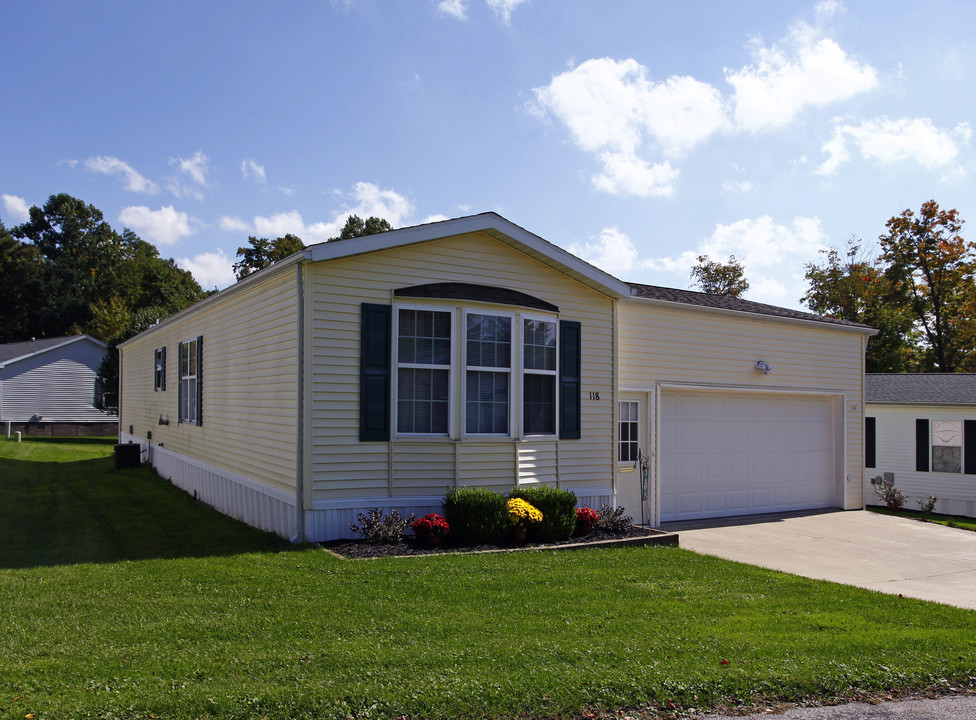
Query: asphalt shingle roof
x,y
691,297
920,389
9,351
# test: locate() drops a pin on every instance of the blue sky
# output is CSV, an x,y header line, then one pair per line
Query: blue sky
x,y
636,134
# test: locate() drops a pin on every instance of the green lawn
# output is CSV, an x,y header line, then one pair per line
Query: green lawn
x,y
954,521
133,619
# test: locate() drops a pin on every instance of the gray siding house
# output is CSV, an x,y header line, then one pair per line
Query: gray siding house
x,y
49,387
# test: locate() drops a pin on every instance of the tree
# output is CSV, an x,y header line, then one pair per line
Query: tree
x,y
21,288
852,288
718,278
926,256
263,253
357,227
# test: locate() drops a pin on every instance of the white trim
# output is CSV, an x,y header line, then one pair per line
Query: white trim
x,y
712,387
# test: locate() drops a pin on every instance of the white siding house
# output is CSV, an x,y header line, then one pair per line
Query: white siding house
x,y
380,371
50,387
922,429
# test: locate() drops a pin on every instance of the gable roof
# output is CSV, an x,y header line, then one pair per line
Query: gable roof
x,y
12,352
729,304
920,388
489,223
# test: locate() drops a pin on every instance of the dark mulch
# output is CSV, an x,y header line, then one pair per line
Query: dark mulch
x,y
409,545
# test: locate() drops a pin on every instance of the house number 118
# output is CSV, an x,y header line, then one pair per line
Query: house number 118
x,y
594,395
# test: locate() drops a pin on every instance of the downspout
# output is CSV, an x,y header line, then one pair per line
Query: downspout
x,y
119,394
300,412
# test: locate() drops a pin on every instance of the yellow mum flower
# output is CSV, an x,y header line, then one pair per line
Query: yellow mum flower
x,y
520,512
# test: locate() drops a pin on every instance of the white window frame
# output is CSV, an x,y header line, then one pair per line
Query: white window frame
x,y
159,369
523,371
451,370
514,340
961,445
636,422
188,404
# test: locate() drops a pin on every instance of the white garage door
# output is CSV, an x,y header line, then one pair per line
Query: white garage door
x,y
744,453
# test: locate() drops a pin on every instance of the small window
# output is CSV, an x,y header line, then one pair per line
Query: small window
x,y
190,381
488,347
947,446
159,369
423,371
539,377
629,441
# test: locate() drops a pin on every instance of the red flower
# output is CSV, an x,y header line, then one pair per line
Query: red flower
x,y
429,525
586,518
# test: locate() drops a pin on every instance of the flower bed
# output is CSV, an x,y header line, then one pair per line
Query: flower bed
x,y
410,545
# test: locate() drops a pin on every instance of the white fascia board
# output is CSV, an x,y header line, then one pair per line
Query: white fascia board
x,y
489,223
67,341
222,295
755,315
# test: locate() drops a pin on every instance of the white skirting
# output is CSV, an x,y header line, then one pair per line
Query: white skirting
x,y
272,510
242,499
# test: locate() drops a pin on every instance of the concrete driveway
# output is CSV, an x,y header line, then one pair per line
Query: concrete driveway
x,y
878,552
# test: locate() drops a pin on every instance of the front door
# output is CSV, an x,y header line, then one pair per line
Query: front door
x,y
631,457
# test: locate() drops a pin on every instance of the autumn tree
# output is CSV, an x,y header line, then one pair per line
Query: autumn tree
x,y
853,288
263,252
719,278
927,257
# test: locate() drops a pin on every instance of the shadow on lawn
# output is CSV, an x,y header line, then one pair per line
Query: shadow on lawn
x,y
63,513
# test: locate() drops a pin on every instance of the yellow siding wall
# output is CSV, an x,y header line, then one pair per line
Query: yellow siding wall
x,y
664,344
339,466
250,346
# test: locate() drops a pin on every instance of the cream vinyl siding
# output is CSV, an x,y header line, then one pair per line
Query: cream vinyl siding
x,y
339,466
249,381
895,453
660,344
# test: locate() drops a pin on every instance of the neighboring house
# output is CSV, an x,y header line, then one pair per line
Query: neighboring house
x,y
922,428
50,387
379,371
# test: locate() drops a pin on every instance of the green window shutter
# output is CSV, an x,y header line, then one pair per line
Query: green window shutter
x,y
921,445
969,447
570,380
199,379
374,372
870,443
179,383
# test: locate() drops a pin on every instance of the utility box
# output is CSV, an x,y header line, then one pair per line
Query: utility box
x,y
127,455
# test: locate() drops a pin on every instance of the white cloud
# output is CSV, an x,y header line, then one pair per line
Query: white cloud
x,y
196,167
251,170
504,8
889,141
627,174
613,110
828,9
436,217
280,224
742,187
210,269
773,255
612,251
16,207
455,8
135,182
234,223
163,227
806,70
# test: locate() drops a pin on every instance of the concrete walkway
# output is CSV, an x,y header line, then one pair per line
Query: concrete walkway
x,y
878,552
949,708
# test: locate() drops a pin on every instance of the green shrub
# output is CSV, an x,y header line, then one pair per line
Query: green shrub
x,y
476,516
558,508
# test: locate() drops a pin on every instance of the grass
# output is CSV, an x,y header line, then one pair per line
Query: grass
x,y
272,631
953,521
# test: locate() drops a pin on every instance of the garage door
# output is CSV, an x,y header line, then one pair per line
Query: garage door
x,y
744,453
